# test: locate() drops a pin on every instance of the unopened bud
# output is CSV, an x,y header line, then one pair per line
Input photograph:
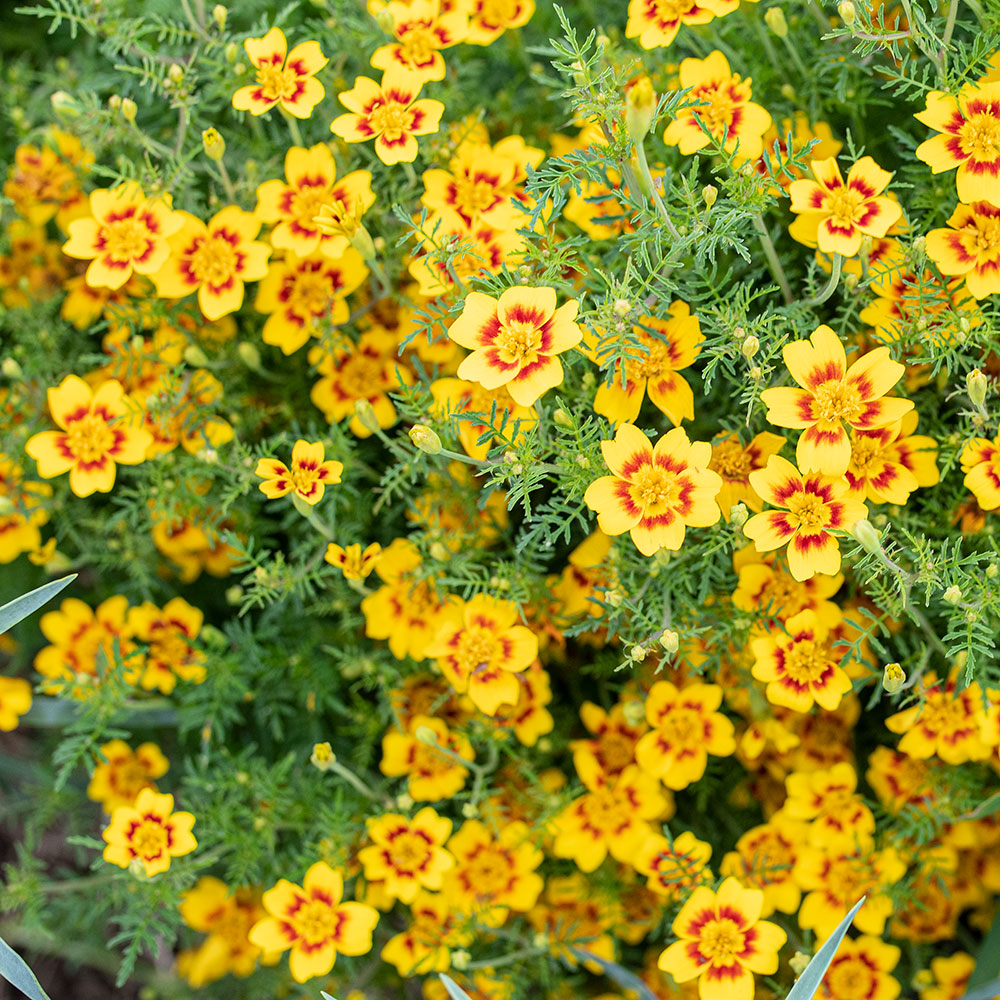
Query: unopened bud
x,y
614,598
129,109
919,246
470,810
219,14
249,355
670,641
425,735
622,307
798,962
323,757
64,105
175,73
847,12
114,101
11,369
977,385
738,515
866,536
640,106
709,194
638,653
460,959
992,571
439,552
365,413
750,347
231,53
893,677
362,241
214,144
952,595
195,356
425,439
633,712
774,18
788,92
562,418
234,594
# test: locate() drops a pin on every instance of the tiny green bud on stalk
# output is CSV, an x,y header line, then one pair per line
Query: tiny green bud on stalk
x,y
798,962
426,735
774,18
365,413
893,677
952,595
214,144
219,14
249,355
64,105
738,515
195,356
562,418
709,194
11,369
992,571
847,12
977,385
129,109
750,347
867,536
425,439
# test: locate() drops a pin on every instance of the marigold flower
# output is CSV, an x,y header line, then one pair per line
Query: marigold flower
x,y
827,800
149,832
656,23
124,772
860,971
528,718
125,233
814,506
352,562
725,110
611,747
472,407
284,78
971,247
734,462
312,921
99,433
431,775
981,465
421,30
835,215
515,340
214,260
968,124
674,867
169,634
571,914
488,20
390,113
407,854
889,463
654,492
764,858
308,476
15,700
723,942
24,516
426,945
477,187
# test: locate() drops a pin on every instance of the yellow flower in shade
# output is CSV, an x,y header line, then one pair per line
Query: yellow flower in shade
x,y
764,858
284,78
528,718
800,665
654,492
573,913
407,854
479,648
685,727
148,832
835,215
477,187
312,921
667,346
724,109
421,30
674,867
431,775
124,772
214,260
126,232
860,971
723,942
488,19
968,124
15,700
889,463
813,507
390,113
19,526
307,296
472,408
435,932
971,247
948,978
515,340
309,187
494,873
611,747
99,432
169,633
833,395
354,563
656,22
612,816
307,477
734,462
981,465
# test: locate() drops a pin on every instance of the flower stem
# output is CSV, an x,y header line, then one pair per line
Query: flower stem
x,y
836,263
293,127
773,263
352,779
227,183
661,209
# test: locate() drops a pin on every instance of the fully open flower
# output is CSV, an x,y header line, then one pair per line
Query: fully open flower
x,y
889,463
725,110
307,478
284,78
654,492
734,462
312,921
971,247
814,506
723,942
835,215
421,30
489,19
15,700
148,832
169,633
99,432
477,187
414,754
123,773
390,113
515,340
656,22
353,562
981,465
125,232
426,945
969,139
860,971
674,866
763,860
214,260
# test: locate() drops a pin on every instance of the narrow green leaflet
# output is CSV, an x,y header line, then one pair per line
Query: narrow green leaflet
x,y
19,609
618,973
805,987
987,970
12,967
454,990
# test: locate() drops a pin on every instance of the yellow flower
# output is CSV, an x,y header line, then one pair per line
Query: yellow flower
x,y
124,772
307,478
15,700
284,78
148,832
352,562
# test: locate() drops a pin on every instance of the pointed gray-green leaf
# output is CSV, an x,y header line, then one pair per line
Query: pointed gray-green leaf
x,y
625,979
15,970
454,990
326,996
805,987
27,604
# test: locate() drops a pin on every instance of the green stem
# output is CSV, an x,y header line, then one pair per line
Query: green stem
x,y
773,263
309,513
836,263
949,27
509,959
352,779
821,20
661,209
227,183
182,127
293,127
796,58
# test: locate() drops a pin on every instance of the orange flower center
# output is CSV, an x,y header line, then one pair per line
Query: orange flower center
x,y
409,851
809,510
276,82
656,361
986,232
315,922
306,204
850,979
215,261
682,726
477,649
843,204
89,438
149,838
655,489
616,752
170,648
418,45
604,811
472,195
671,10
979,137
721,941
731,461
517,340
390,118
362,377
806,661
128,778
866,455
125,239
718,115
488,873
497,12
311,293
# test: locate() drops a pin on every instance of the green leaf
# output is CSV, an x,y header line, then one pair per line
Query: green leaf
x,y
987,968
326,996
454,990
27,604
805,987
13,968
625,979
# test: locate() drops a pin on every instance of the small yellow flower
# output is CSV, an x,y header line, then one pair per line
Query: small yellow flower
x,y
308,476
149,832
354,563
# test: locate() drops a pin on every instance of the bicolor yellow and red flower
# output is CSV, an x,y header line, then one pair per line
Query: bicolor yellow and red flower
x,y
674,867
284,79
307,477
122,773
981,465
860,971
656,24
764,858
149,833
734,462
353,562
431,775
421,29
971,247
889,463
488,20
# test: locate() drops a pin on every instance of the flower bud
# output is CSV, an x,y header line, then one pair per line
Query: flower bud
x,y
234,594
231,53
219,14
633,711
614,598
952,595
214,144
738,515
798,962
750,347
460,959
426,735
670,641
129,109
425,439
774,18
323,757
361,240
992,571
893,677
195,356
365,413
11,369
386,21
918,247
640,106
562,418
977,385
621,307
788,92
64,105
637,653
847,12
114,102
469,811
866,536
439,552
709,194
175,73
249,355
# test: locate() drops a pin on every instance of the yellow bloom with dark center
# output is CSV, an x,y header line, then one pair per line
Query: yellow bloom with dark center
x,y
981,465
285,79
889,463
970,247
489,19
656,22
148,832
676,866
123,772
354,563
307,477
431,775
860,971
421,29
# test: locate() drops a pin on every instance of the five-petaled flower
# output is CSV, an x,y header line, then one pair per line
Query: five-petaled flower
x,y
835,215
148,832
353,562
307,477
100,430
312,921
968,124
654,492
125,232
420,30
723,942
390,113
889,463
971,247
831,395
656,23
515,340
981,465
284,78
814,506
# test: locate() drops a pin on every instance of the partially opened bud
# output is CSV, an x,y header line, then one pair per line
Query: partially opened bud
x,y
893,677
867,536
215,145
323,757
640,106
425,439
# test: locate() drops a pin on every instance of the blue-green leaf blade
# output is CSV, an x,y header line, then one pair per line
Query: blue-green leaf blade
x,y
807,984
27,604
454,990
14,968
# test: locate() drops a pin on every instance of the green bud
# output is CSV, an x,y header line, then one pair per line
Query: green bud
x,y
774,18
977,385
425,439
893,677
